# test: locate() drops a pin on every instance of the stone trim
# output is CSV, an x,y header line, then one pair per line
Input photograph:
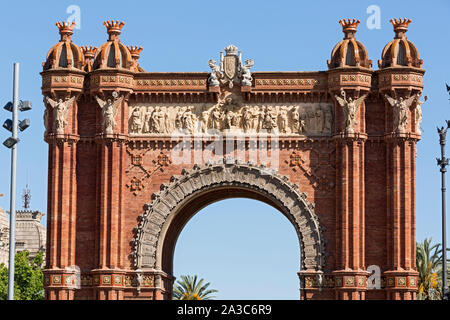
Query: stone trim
x,y
147,243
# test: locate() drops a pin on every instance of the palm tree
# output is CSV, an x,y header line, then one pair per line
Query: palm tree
x,y
439,269
428,264
189,289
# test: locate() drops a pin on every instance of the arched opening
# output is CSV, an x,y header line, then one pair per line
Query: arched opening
x,y
196,204
63,57
244,247
401,58
178,201
350,55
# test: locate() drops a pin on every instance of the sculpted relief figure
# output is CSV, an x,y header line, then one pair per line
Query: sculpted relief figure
x,y
179,118
350,108
319,120
135,120
310,120
216,118
228,101
246,119
229,119
418,111
295,117
328,118
189,120
109,112
302,123
256,119
60,108
204,121
159,121
401,110
147,126
269,120
283,120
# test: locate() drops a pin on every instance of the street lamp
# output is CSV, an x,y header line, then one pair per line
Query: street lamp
x,y
443,162
11,143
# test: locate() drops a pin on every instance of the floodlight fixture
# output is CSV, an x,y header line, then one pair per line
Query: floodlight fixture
x,y
25,105
8,125
10,142
25,123
8,106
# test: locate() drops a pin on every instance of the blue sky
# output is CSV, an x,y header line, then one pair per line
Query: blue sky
x,y
183,36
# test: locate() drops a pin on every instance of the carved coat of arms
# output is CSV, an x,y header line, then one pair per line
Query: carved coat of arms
x,y
230,62
231,69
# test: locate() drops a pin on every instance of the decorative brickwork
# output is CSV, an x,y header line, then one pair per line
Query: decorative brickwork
x,y
133,155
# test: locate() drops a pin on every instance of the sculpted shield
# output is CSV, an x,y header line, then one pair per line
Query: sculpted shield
x,y
230,66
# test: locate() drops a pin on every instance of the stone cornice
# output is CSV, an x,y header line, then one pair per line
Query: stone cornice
x,y
54,138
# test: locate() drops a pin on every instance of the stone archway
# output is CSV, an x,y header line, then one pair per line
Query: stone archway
x,y
194,189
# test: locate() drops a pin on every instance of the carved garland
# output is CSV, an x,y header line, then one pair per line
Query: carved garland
x,y
231,173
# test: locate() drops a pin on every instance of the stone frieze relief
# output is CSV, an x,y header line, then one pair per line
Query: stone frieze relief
x,y
153,119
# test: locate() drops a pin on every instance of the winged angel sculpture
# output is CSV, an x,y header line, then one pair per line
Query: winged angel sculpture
x,y
418,111
401,107
109,111
350,108
60,109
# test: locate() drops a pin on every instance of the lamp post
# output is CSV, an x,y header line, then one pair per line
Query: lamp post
x,y
443,163
11,143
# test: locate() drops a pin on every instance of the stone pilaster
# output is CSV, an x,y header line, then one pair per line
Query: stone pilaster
x,y
62,138
350,137
401,137
111,154
350,215
401,276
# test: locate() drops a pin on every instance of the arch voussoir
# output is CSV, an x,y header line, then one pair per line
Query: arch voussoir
x,y
149,235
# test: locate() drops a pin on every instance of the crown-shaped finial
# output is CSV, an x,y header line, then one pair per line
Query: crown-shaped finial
x,y
65,29
349,27
89,52
135,51
231,50
400,26
113,28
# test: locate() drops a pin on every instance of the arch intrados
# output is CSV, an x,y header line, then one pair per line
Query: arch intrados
x,y
172,230
247,180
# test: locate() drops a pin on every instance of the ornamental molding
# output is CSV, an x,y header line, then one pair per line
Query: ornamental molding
x,y
149,238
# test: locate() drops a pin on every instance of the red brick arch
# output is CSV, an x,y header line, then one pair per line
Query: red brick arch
x,y
111,135
185,195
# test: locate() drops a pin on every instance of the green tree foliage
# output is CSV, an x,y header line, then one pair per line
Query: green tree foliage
x,y
189,289
429,266
28,278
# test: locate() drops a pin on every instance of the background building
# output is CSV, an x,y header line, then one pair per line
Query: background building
x,y
30,233
4,236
